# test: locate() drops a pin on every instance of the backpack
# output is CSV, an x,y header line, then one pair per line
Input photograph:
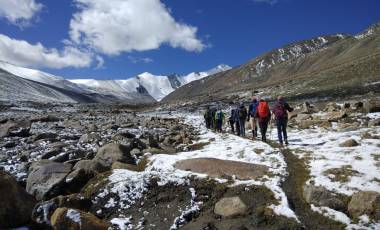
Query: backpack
x,y
263,109
219,115
243,113
253,109
279,111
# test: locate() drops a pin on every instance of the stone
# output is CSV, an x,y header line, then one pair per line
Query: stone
x,y
90,138
135,152
349,143
374,122
16,204
119,165
365,203
332,107
43,211
217,168
46,178
301,117
112,152
307,108
44,136
74,219
137,144
320,196
48,118
153,151
230,207
335,116
372,106
18,128
153,141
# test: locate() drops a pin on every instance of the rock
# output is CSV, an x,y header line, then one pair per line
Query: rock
x,y
365,203
302,117
135,152
16,204
137,144
18,128
119,165
372,106
349,143
153,151
50,153
320,196
74,219
335,116
44,210
46,178
153,141
113,152
44,136
90,138
332,107
83,171
48,118
374,122
178,139
217,168
307,124
230,207
307,108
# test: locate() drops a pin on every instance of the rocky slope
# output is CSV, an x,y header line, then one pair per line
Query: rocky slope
x,y
337,65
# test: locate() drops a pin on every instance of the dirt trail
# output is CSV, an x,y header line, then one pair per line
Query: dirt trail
x,y
292,186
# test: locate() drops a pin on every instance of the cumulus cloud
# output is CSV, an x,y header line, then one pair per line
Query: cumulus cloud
x,y
19,12
115,26
20,52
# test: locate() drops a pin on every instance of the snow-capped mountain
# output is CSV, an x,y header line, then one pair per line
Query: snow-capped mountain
x,y
143,88
146,83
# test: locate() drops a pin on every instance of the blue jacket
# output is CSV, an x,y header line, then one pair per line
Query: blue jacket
x,y
252,109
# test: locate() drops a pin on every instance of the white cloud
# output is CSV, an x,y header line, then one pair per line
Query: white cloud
x,y
19,12
115,26
140,59
22,53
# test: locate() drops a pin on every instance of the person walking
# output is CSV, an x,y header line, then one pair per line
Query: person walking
x,y
252,116
263,115
280,111
243,114
207,117
237,120
219,118
231,120
212,118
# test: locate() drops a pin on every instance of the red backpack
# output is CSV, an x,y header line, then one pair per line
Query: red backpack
x,y
263,109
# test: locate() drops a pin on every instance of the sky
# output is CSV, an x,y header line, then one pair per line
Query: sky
x,y
114,39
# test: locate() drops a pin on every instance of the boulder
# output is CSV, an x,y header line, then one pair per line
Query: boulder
x,y
43,211
335,116
374,122
44,136
90,138
365,203
74,219
18,128
372,106
307,108
110,153
16,204
153,141
302,117
320,196
46,178
119,165
349,143
217,168
332,107
230,207
48,118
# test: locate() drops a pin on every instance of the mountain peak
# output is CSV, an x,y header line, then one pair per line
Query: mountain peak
x,y
219,68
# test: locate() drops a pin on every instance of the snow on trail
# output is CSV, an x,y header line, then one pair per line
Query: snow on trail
x,y
221,146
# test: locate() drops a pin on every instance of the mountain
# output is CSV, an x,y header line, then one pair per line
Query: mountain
x,y
144,88
326,66
146,83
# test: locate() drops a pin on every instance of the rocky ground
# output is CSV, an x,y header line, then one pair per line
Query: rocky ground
x,y
112,167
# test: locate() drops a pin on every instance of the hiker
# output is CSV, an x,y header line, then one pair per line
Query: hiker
x,y
243,114
219,120
231,120
236,119
207,117
263,115
252,116
212,118
280,111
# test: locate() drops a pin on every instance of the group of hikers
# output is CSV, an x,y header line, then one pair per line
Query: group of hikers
x,y
258,114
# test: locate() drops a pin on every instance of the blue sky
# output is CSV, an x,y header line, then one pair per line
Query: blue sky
x,y
107,39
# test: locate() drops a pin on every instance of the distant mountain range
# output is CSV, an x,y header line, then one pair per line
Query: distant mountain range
x,y
25,84
337,65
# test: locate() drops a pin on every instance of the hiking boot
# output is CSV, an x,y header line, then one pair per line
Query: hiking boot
x,y
281,145
286,142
